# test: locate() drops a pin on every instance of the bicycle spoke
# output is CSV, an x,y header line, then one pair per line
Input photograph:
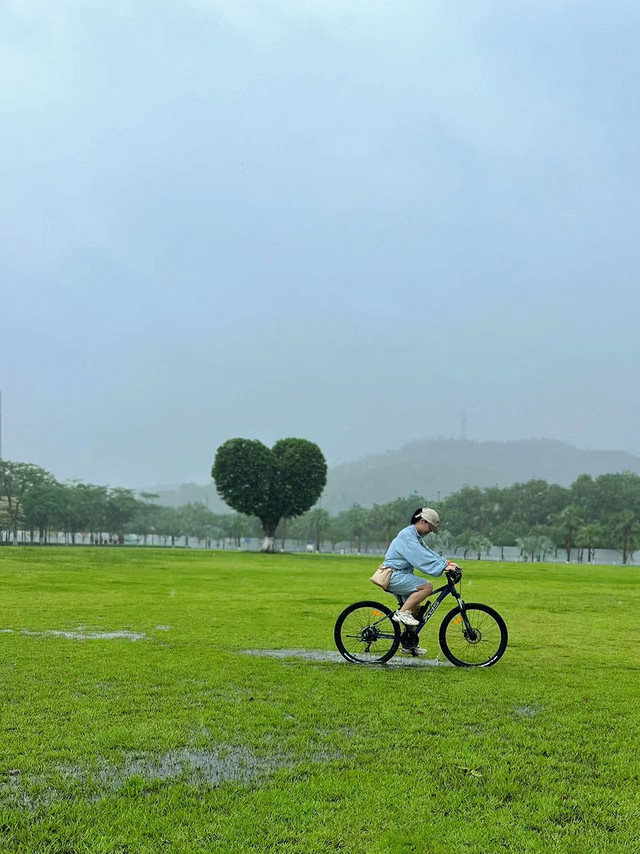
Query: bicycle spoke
x,y
365,636
480,645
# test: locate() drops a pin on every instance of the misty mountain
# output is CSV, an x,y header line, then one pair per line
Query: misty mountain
x,y
435,468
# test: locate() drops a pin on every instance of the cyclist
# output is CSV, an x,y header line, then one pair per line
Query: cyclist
x,y
406,553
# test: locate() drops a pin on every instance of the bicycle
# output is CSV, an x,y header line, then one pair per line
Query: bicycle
x,y
471,634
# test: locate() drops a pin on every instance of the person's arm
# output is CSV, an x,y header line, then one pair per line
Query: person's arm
x,y
423,559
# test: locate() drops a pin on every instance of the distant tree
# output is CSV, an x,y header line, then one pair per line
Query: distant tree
x,y
120,508
583,495
319,521
198,521
588,537
504,534
16,479
613,494
44,505
337,531
464,510
236,526
385,518
444,543
480,545
535,546
355,519
569,521
5,518
466,541
90,503
627,531
284,481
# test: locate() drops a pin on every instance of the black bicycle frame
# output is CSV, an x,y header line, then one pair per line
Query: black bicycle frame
x,y
447,589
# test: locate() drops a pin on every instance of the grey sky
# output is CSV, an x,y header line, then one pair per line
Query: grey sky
x,y
346,221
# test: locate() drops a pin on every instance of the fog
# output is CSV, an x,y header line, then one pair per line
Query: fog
x,y
345,221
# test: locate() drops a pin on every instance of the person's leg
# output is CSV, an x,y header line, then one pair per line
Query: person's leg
x,y
410,644
419,596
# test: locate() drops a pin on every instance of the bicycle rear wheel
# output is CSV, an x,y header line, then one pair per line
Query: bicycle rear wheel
x,y
483,645
365,633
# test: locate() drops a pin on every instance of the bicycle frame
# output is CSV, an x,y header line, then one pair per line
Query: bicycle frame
x,y
447,589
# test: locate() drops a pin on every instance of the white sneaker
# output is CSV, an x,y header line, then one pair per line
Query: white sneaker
x,y
415,650
406,618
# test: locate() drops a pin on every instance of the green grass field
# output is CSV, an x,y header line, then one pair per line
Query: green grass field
x,y
169,738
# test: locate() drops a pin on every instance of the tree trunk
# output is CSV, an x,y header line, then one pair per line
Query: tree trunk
x,y
269,534
284,531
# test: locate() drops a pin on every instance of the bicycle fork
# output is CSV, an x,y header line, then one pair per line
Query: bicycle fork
x,y
463,616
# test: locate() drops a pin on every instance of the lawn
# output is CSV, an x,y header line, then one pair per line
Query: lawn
x,y
133,720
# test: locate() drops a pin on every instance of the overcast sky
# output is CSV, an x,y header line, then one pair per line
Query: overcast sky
x,y
344,220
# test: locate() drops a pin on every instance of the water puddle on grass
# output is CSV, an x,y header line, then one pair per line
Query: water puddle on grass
x,y
79,634
336,658
527,711
198,766
225,764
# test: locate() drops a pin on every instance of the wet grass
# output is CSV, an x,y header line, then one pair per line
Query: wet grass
x,y
134,721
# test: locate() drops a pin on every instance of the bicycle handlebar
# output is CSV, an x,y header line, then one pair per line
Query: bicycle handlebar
x,y
454,575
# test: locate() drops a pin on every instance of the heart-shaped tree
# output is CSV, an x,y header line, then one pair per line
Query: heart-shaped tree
x,y
281,482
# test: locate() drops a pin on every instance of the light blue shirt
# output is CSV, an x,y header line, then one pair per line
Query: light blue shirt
x,y
407,551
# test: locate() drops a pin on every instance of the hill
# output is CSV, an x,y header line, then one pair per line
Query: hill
x,y
435,468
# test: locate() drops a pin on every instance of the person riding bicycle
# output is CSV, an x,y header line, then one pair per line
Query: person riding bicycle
x,y
406,553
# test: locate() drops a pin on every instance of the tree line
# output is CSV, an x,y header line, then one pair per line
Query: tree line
x,y
538,517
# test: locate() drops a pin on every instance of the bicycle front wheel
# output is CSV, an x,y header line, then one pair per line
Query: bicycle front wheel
x,y
481,645
366,634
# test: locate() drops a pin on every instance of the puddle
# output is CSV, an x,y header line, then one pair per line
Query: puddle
x,y
527,711
201,767
336,658
79,634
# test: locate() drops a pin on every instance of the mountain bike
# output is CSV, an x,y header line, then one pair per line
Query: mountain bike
x,y
471,634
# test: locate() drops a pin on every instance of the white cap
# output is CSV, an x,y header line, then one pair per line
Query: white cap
x,y
431,517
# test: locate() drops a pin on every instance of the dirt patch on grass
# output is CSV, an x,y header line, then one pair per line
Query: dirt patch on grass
x,y
336,658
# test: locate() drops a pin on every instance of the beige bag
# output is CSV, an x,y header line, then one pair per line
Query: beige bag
x,y
382,576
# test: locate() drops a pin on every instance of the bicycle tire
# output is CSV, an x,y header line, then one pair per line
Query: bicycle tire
x,y
347,640
487,629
